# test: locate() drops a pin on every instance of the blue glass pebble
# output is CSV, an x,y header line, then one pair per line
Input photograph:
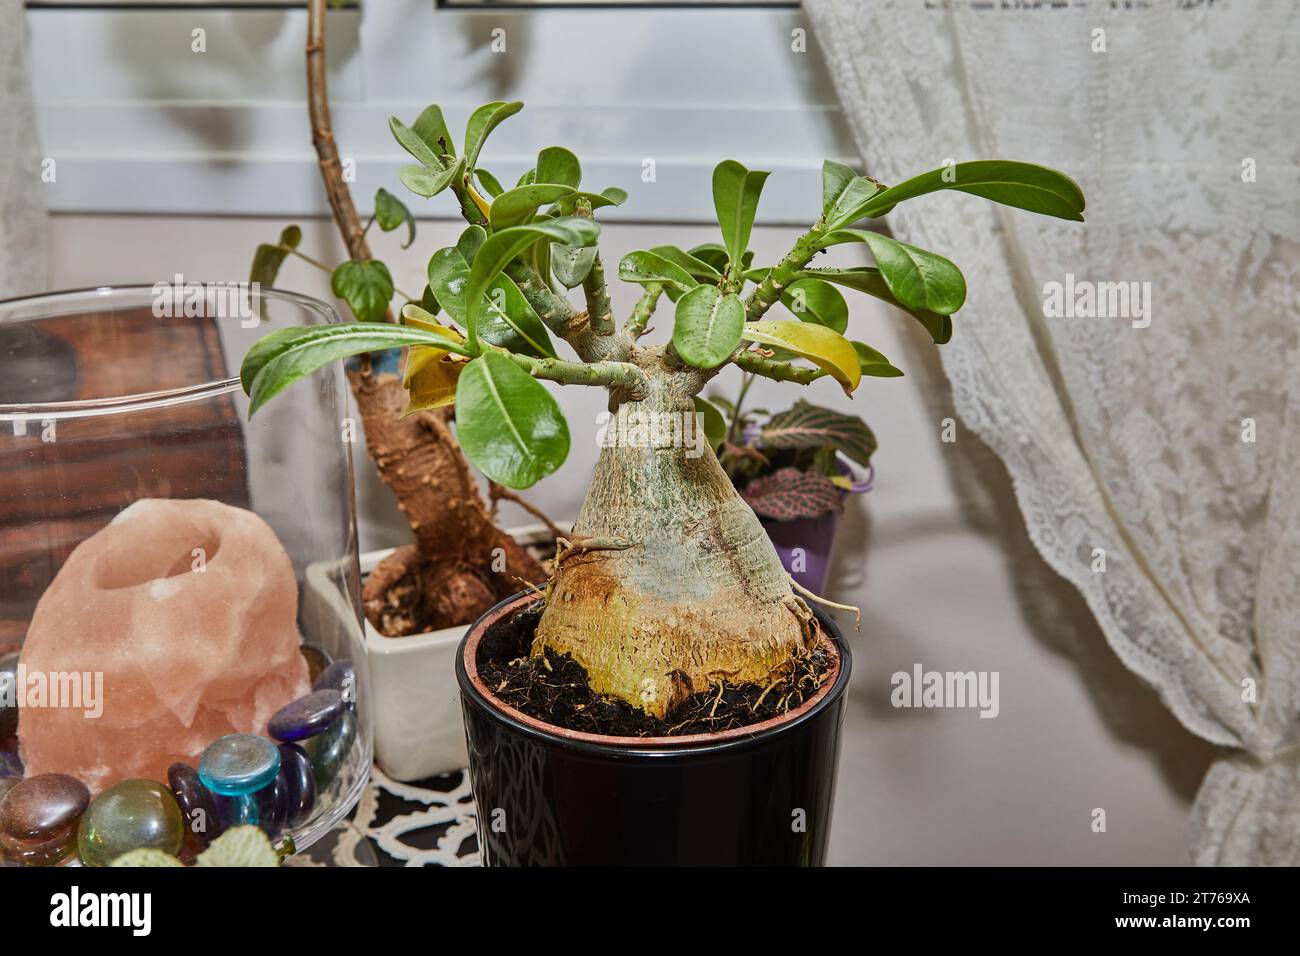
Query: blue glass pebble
x,y
299,778
306,716
330,749
342,677
196,801
239,764
271,807
11,765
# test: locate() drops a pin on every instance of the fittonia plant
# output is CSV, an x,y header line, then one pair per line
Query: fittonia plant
x,y
670,582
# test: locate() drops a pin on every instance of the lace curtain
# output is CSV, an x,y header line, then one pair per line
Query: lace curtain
x,y
1171,449
22,203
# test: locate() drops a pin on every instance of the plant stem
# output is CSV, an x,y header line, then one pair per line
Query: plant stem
x,y
599,312
308,259
645,308
782,274
755,364
556,312
610,374
733,433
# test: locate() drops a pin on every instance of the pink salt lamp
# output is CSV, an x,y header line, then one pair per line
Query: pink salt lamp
x,y
188,610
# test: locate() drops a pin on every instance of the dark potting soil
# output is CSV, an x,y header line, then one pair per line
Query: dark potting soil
x,y
554,689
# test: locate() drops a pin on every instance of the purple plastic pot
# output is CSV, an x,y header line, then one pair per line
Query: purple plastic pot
x,y
804,544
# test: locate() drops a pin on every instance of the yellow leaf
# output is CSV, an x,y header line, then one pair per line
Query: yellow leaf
x,y
430,378
417,317
818,344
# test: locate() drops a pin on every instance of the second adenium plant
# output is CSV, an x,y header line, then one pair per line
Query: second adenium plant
x,y
669,584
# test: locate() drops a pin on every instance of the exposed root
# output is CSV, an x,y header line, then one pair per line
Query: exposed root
x,y
857,623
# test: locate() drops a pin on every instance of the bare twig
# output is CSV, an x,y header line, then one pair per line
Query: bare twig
x,y
497,492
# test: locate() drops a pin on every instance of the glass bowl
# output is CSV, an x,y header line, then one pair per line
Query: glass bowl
x,y
187,571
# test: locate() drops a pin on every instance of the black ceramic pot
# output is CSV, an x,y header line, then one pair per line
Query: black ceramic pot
x,y
760,796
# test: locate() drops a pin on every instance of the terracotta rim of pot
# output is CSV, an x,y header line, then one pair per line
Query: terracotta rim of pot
x,y
467,663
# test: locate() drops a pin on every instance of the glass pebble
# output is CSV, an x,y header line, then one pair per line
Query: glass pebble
x,y
42,805
196,802
271,808
329,749
41,851
239,764
130,815
8,694
342,677
307,716
299,779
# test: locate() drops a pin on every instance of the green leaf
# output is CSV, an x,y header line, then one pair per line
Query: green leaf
x,y
241,846
572,264
429,301
811,426
482,122
612,196
499,248
517,206
1039,189
491,185
146,856
278,360
411,141
557,165
708,326
815,300
696,268
735,200
291,236
432,130
367,288
715,426
873,363
918,279
422,182
713,254
646,267
506,318
869,280
391,212
509,425
823,347
843,191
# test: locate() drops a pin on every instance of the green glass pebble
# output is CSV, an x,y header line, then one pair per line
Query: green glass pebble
x,y
329,749
130,815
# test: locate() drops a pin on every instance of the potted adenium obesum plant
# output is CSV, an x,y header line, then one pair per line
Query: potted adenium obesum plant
x,y
667,697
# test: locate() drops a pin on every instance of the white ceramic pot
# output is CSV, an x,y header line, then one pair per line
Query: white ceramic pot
x,y
413,694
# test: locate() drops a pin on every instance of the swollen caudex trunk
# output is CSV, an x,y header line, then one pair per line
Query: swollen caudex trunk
x,y
671,585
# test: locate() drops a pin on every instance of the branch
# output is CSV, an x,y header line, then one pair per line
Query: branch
x,y
322,137
756,364
609,374
497,492
645,308
782,274
555,311
599,312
